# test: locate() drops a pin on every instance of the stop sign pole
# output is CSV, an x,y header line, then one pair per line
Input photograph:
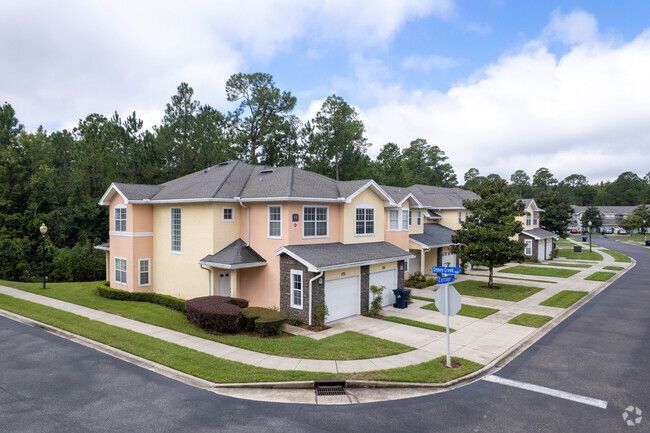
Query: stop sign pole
x,y
447,307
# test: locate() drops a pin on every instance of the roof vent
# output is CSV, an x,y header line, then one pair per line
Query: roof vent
x,y
267,170
222,163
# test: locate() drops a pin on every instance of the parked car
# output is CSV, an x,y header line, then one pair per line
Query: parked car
x,y
607,231
622,232
574,231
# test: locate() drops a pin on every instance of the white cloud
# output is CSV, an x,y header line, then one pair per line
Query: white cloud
x,y
428,63
577,27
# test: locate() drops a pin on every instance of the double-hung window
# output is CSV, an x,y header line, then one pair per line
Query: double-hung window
x,y
144,272
460,217
365,221
418,217
528,219
406,219
393,219
120,218
410,218
275,221
296,289
315,221
528,247
534,218
120,270
176,230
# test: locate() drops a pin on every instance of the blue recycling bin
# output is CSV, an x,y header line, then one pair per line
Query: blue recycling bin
x,y
401,298
647,243
584,239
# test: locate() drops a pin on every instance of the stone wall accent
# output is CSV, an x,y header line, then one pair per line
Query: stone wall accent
x,y
365,288
288,263
400,274
534,257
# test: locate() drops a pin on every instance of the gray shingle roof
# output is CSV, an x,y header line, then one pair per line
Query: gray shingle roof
x,y
437,197
540,234
235,256
134,191
321,257
618,210
434,236
396,193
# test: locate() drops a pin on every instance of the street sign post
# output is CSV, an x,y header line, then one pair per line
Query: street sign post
x,y
448,302
448,270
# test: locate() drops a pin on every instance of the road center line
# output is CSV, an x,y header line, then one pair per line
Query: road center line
x,y
548,391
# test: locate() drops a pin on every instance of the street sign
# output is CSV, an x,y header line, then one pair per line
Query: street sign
x,y
440,299
448,279
445,270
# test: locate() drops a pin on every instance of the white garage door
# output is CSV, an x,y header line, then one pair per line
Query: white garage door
x,y
541,254
388,279
448,259
342,297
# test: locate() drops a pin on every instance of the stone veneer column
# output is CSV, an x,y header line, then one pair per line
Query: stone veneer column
x,y
365,288
287,264
400,274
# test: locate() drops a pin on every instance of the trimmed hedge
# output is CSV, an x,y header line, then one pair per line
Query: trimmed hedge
x,y
155,298
264,321
216,313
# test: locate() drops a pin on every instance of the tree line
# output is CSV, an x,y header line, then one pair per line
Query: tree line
x,y
58,177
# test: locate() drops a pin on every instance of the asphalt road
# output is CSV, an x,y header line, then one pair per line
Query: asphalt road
x,y
49,384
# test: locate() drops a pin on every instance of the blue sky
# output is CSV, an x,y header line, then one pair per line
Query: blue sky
x,y
498,85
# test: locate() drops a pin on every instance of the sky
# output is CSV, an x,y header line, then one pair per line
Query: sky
x,y
498,85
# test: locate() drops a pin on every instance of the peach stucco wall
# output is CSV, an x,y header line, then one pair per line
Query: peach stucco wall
x,y
396,237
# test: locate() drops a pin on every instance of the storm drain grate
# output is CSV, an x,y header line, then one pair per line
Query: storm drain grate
x,y
330,390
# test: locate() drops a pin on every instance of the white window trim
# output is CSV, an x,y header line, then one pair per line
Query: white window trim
x,y
148,272
171,230
460,217
327,222
528,244
119,206
407,213
390,212
223,212
418,217
268,221
535,218
410,217
302,291
374,220
126,272
406,265
529,218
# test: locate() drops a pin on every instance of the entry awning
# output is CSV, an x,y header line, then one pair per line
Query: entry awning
x,y
539,234
237,255
326,257
434,236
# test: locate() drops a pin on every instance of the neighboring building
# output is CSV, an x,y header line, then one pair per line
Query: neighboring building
x,y
610,216
538,243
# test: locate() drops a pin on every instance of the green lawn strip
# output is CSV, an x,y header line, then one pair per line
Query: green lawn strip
x,y
421,298
543,272
614,268
584,255
532,320
416,323
209,367
618,257
346,345
514,278
467,310
566,265
564,299
600,276
505,292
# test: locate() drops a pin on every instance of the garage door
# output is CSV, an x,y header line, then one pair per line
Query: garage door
x,y
448,259
342,297
541,254
388,279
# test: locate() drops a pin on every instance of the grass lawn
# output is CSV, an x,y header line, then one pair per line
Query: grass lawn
x,y
532,320
566,265
564,299
544,272
614,268
467,310
618,257
505,292
418,324
584,255
514,278
421,298
347,345
209,367
600,276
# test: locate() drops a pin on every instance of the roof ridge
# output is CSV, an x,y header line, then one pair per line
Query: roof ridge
x,y
225,178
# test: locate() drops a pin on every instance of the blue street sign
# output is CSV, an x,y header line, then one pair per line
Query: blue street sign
x,y
449,279
445,270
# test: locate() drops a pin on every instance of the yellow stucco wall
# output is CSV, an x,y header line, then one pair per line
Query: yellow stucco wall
x,y
414,228
348,216
339,273
450,218
383,267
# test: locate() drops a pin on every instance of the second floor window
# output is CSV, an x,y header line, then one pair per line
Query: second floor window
x,y
418,217
365,221
315,220
120,219
406,219
176,230
460,217
275,221
527,219
534,218
393,220
227,214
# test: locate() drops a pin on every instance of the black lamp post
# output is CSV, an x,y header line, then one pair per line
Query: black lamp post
x,y
589,223
43,230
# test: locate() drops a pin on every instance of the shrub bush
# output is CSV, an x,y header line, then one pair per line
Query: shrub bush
x,y
320,314
431,282
415,278
155,298
264,321
214,313
377,298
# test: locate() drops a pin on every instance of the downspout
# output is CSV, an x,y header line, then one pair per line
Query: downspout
x,y
209,279
248,223
310,303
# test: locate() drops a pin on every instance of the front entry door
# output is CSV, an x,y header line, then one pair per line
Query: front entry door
x,y
224,283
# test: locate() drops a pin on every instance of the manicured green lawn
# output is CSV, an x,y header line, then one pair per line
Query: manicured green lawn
x,y
584,255
421,298
514,278
544,272
564,299
600,276
506,292
618,257
416,323
614,268
347,345
209,367
566,265
532,320
467,310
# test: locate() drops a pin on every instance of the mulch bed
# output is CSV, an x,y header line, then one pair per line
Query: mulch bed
x,y
313,328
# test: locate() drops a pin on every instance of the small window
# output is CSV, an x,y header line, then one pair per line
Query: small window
x,y
120,270
176,230
143,272
393,220
227,214
365,221
120,218
275,221
466,215
528,250
315,221
410,218
406,265
296,289
460,217
534,218
528,219
418,217
406,219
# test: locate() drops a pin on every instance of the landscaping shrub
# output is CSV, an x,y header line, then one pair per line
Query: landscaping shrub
x,y
320,314
294,321
155,298
431,282
375,305
415,279
264,321
214,313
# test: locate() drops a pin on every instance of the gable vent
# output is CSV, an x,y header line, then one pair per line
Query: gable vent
x,y
267,170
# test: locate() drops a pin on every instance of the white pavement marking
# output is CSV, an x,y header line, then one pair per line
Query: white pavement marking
x,y
548,391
